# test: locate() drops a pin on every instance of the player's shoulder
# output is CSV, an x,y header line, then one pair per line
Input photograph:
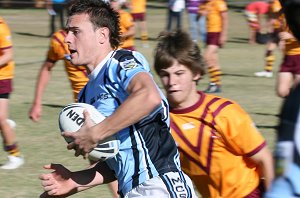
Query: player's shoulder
x,y
123,54
218,104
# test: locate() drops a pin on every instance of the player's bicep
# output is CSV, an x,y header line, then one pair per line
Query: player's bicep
x,y
141,81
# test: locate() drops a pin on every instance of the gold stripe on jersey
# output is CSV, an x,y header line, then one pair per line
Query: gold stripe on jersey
x,y
212,137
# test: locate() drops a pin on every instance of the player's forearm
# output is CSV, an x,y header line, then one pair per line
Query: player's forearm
x,y
97,174
267,170
41,84
264,161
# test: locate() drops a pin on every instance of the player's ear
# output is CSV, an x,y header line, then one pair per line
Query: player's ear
x,y
103,34
196,77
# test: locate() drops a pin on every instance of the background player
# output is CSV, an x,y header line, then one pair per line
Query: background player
x,y
275,23
289,73
287,151
138,10
216,25
77,75
255,12
220,148
126,25
7,66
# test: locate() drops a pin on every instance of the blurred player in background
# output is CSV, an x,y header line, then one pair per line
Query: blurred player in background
x,y
138,11
197,26
56,8
220,148
58,50
289,72
255,12
126,25
175,11
275,23
287,149
216,25
7,66
122,88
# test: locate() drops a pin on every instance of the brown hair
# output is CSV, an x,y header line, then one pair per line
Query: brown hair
x,y
178,45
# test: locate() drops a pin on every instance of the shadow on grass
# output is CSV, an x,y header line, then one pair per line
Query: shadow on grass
x,y
54,106
239,75
266,127
30,34
238,40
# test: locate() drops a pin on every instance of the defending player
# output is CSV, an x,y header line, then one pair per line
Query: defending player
x,y
122,88
7,66
216,25
58,50
220,148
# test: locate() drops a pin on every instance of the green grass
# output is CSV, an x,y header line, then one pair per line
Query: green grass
x,y
41,142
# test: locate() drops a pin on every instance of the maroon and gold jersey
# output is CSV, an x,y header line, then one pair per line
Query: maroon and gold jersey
x,y
58,50
138,6
274,10
126,22
7,70
213,136
214,8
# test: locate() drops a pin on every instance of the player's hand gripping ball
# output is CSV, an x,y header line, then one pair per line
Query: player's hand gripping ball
x,y
71,119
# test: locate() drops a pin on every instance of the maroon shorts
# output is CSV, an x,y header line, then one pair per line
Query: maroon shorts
x,y
291,64
213,38
139,16
5,86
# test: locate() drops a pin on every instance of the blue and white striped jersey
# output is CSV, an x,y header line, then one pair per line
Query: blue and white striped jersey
x,y
147,148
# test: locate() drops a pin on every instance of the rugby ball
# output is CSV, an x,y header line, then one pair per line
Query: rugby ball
x,y
71,119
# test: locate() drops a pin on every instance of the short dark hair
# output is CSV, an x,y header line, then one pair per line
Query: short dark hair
x,y
178,45
101,15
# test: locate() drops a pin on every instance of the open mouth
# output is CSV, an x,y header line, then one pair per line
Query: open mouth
x,y
172,91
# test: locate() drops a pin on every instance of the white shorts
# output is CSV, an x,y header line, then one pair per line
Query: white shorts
x,y
169,185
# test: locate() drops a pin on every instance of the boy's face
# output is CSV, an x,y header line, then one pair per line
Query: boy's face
x,y
180,85
82,40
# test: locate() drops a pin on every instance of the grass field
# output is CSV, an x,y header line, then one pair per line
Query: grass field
x,y
41,142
